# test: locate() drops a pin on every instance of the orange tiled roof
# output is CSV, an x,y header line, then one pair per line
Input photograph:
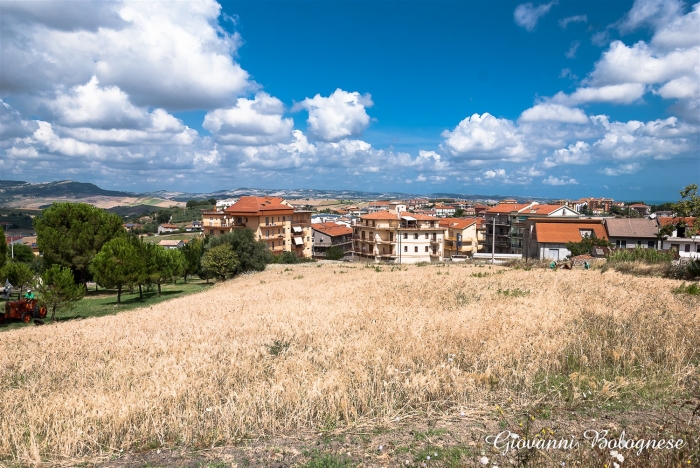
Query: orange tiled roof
x,y
420,216
384,214
169,226
258,205
506,208
332,229
665,220
562,233
543,209
457,223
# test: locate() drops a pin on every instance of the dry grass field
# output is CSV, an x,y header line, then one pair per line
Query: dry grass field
x,y
323,347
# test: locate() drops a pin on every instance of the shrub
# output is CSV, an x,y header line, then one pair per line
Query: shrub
x,y
692,289
335,253
586,245
638,254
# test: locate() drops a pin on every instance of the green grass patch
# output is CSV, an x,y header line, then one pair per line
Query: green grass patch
x,y
181,236
693,289
327,460
451,457
104,301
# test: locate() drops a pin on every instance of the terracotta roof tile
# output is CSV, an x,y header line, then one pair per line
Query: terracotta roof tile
x,y
457,223
664,220
258,205
506,208
332,229
562,233
543,209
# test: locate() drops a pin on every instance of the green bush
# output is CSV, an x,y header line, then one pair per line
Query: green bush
x,y
692,289
586,245
334,253
694,269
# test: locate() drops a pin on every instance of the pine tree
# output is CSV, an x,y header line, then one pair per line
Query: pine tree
x,y
58,291
118,264
71,234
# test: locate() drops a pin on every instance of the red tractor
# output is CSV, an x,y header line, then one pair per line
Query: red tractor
x,y
24,310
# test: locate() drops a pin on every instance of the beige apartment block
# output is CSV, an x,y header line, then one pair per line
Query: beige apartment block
x,y
461,237
398,237
273,220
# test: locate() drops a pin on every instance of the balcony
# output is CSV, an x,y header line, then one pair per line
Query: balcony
x,y
435,241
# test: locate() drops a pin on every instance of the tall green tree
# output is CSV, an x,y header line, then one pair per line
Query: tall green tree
x,y
22,253
164,265
58,290
18,274
118,264
220,261
252,255
193,252
3,248
71,234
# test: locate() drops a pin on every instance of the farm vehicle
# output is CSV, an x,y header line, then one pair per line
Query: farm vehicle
x,y
24,310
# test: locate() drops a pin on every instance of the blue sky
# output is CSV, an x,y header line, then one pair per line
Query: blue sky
x,y
551,99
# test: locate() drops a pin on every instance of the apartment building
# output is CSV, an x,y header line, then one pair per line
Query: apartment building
x,y
398,237
273,220
330,234
460,236
507,223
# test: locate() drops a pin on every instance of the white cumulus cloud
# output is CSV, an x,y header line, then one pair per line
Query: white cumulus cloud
x,y
554,113
251,122
340,115
485,137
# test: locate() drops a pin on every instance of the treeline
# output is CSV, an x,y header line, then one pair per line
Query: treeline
x,y
82,243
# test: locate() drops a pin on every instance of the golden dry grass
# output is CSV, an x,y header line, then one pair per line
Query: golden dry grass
x,y
333,345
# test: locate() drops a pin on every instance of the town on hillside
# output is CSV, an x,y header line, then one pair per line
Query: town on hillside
x,y
419,229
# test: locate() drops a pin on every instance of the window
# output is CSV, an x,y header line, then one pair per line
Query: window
x,y
321,239
405,248
267,233
426,248
621,244
426,235
415,249
586,233
267,221
391,237
284,219
405,235
415,236
651,244
687,247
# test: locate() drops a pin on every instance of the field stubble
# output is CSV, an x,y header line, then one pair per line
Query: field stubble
x,y
304,347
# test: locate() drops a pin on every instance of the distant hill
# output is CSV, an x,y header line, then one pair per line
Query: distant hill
x,y
297,194
62,188
14,189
